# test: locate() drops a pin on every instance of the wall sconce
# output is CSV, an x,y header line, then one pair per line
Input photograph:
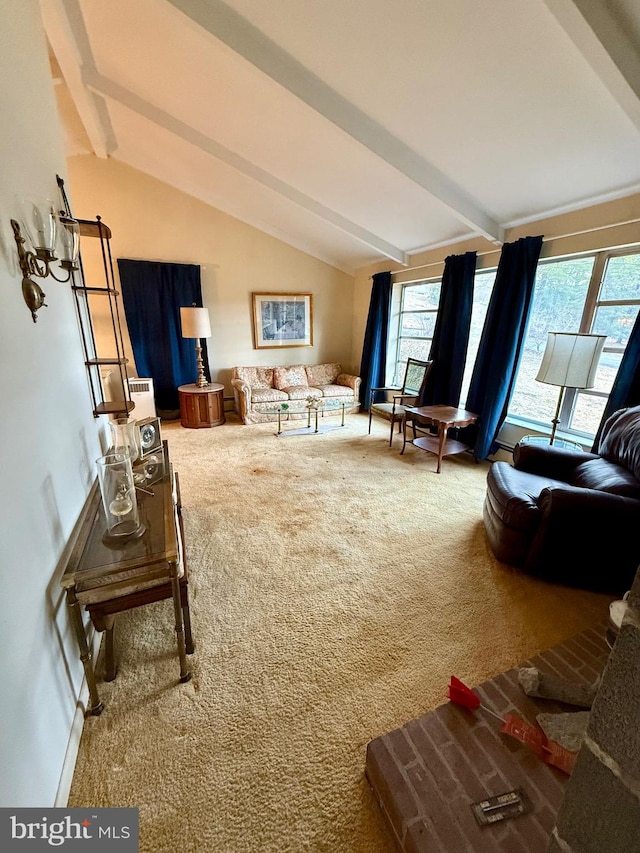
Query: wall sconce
x,y
53,231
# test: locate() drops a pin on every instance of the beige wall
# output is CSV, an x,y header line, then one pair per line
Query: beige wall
x,y
604,226
151,221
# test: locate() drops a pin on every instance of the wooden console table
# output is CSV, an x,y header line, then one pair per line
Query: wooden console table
x,y
443,418
201,407
108,578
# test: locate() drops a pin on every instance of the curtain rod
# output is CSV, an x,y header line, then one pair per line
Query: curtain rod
x,y
566,236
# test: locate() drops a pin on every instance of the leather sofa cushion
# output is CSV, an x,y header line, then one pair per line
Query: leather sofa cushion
x,y
607,477
621,440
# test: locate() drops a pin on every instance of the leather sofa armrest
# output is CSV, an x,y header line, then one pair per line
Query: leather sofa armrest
x,y
549,461
574,539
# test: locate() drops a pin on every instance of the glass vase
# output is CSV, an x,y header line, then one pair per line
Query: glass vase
x,y
118,493
124,438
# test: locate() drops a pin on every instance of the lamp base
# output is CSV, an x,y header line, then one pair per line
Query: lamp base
x,y
201,381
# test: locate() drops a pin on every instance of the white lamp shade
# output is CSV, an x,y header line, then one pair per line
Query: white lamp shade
x,y
195,323
571,359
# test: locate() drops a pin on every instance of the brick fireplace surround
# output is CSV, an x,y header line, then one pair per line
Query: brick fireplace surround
x,y
427,773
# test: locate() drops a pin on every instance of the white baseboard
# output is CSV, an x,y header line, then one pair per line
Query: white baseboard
x,y
77,726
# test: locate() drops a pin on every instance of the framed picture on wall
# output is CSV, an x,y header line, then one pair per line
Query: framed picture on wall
x,y
282,320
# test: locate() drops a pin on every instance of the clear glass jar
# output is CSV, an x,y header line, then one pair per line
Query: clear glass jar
x,y
124,438
118,493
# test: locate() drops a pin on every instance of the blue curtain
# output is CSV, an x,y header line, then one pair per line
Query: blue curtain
x,y
374,350
451,333
505,326
152,294
626,387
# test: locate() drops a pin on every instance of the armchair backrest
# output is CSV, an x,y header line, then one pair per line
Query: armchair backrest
x,y
620,439
415,376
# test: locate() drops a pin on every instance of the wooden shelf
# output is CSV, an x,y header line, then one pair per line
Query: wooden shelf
x,y
115,407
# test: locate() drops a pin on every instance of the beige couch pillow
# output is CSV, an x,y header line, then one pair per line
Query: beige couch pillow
x,y
287,377
322,374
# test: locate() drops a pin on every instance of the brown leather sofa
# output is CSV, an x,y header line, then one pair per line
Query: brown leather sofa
x,y
568,516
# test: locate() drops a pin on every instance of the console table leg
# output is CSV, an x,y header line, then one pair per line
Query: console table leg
x,y
95,705
109,655
185,674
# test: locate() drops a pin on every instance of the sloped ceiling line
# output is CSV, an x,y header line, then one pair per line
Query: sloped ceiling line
x,y
68,38
109,89
236,32
603,41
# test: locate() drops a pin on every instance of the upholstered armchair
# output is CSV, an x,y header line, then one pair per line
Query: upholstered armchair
x,y
571,516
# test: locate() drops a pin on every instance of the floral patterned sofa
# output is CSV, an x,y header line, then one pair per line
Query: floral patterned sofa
x,y
260,391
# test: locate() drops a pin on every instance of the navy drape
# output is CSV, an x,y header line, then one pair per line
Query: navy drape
x,y
626,387
451,333
374,349
500,348
152,294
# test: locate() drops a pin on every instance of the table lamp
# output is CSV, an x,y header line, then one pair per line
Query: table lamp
x,y
195,324
570,360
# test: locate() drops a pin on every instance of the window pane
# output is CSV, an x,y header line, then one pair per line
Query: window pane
x,y
607,370
421,297
622,278
558,301
413,349
587,413
616,322
482,287
418,325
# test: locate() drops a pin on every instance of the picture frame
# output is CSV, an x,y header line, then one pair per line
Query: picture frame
x,y
282,320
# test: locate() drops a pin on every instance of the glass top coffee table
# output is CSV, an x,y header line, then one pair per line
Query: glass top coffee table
x,y
313,407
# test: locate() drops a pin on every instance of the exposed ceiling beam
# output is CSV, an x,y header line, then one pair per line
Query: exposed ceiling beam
x,y
109,89
602,39
228,26
67,36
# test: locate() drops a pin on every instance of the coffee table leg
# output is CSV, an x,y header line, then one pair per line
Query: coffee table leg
x,y
404,431
442,437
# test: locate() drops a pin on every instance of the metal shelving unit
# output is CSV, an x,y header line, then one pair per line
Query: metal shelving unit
x,y
122,405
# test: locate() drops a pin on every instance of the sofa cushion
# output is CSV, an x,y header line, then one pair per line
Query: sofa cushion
x,y
336,391
267,395
322,374
301,392
621,440
607,477
289,377
256,377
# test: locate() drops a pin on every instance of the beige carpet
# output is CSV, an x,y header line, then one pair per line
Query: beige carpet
x,y
336,586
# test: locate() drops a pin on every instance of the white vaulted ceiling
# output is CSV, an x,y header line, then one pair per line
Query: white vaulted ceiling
x,y
359,130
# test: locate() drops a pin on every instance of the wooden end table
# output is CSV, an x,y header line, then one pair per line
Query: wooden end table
x,y
442,417
201,407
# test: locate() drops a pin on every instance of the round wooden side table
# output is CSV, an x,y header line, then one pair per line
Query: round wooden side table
x,y
201,407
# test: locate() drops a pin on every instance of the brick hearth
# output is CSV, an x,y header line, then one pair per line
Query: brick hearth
x,y
427,773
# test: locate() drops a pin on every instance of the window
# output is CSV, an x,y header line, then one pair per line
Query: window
x,y
600,294
417,320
